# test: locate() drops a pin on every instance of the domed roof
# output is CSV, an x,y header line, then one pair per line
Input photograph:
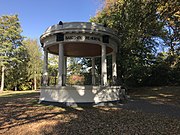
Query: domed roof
x,y
80,39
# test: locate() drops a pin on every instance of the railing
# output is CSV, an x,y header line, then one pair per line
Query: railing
x,y
52,80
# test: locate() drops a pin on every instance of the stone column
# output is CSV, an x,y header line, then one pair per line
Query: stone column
x,y
45,68
93,71
114,67
60,64
65,70
103,65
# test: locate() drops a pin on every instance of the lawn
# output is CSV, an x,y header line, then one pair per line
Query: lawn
x,y
20,114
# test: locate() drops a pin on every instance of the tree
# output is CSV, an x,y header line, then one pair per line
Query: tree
x,y
34,61
16,75
144,26
170,15
75,71
10,40
165,70
52,69
136,23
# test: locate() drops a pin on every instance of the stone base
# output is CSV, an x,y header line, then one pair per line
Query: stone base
x,y
73,95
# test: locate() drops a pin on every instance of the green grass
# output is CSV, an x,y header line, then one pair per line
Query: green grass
x,y
16,94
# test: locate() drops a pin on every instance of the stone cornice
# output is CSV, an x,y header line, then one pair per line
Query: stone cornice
x,y
79,27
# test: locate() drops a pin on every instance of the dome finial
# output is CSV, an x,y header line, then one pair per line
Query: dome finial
x,y
60,23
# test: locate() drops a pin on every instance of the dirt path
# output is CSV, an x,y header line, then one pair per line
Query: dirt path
x,y
157,100
152,107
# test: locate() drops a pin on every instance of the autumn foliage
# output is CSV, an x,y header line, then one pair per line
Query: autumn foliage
x,y
76,79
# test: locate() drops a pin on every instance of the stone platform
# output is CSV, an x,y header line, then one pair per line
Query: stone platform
x,y
80,94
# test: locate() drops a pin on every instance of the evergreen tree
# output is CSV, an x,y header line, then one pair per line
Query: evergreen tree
x,y
10,40
16,75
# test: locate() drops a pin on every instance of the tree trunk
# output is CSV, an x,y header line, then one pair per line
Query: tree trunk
x,y
15,88
35,83
172,49
2,79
